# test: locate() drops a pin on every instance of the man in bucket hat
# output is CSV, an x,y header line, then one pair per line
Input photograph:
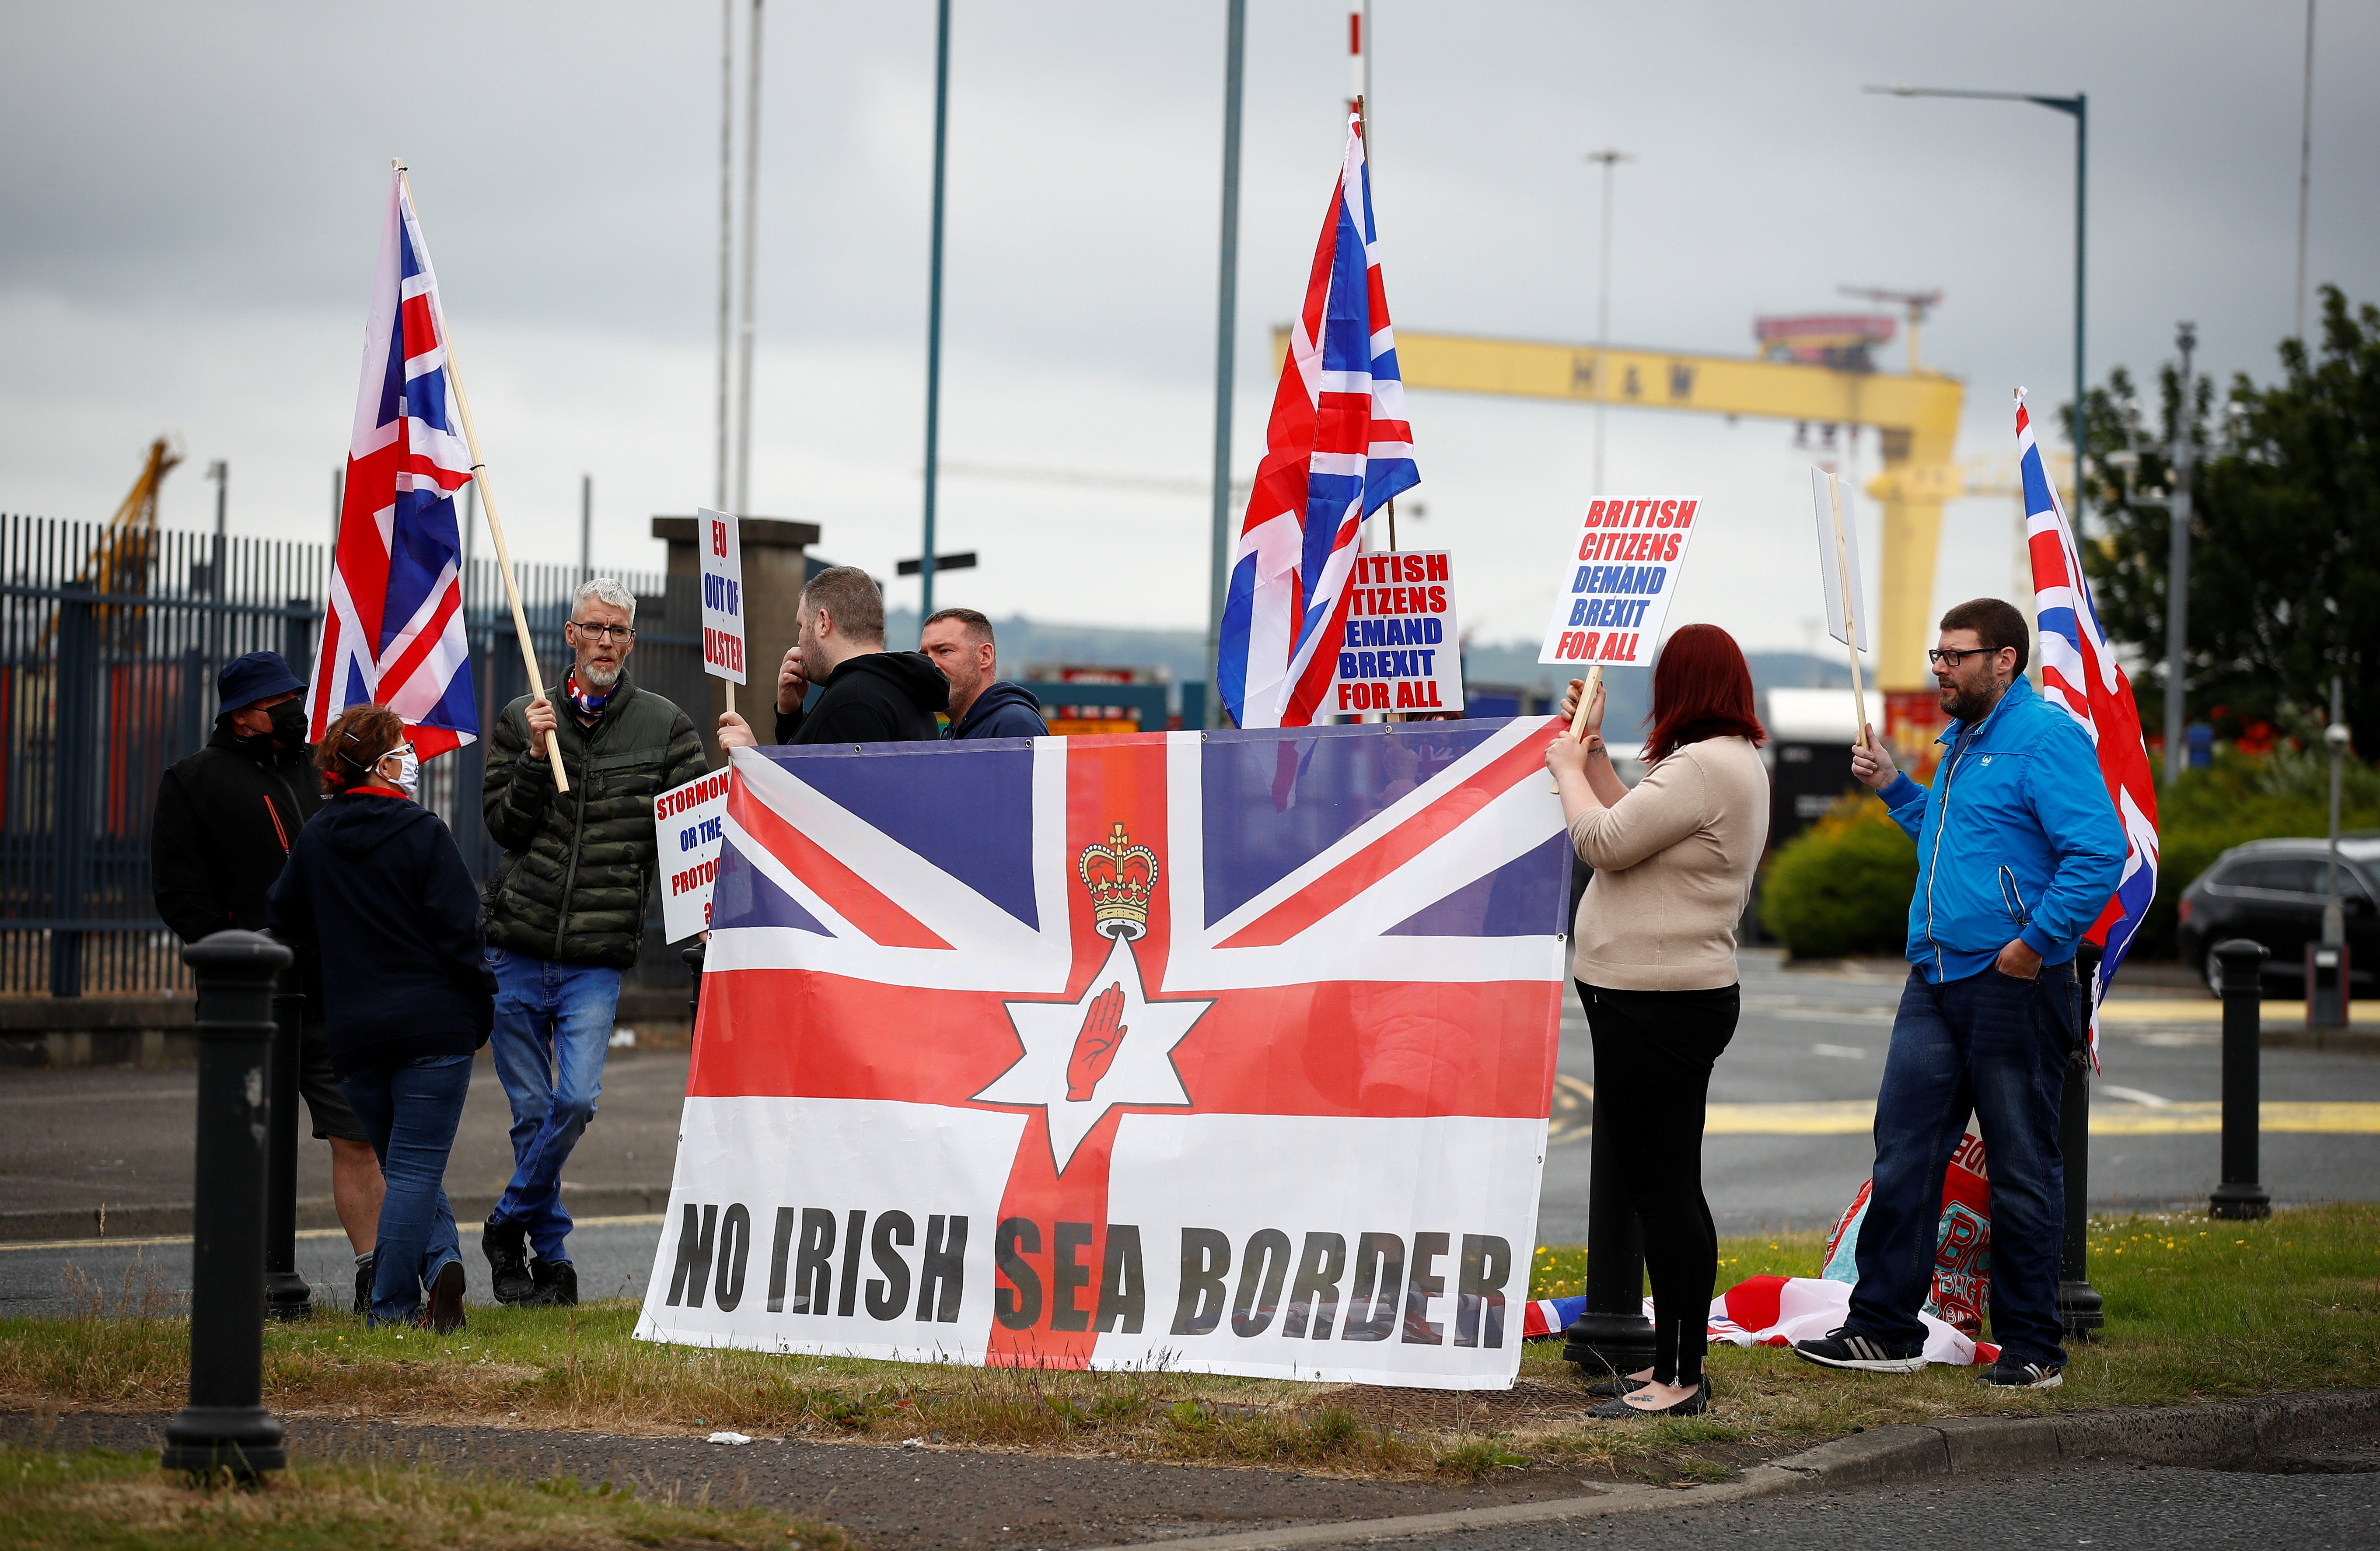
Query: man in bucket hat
x,y
226,817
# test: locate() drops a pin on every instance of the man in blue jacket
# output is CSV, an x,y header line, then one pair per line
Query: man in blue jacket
x,y
983,703
2018,852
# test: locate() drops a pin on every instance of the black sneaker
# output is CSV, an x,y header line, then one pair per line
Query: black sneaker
x,y
557,1284
508,1248
367,1267
444,1314
2009,1374
1865,1353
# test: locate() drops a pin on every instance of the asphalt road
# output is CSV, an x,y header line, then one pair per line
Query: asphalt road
x,y
82,1137
1821,1034
2106,1507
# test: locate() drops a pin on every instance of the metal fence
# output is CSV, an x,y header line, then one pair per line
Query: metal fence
x,y
110,642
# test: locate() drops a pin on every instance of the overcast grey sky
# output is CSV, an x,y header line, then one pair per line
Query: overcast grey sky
x,y
190,200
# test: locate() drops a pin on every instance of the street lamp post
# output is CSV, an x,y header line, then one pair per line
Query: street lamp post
x,y
934,299
2077,107
2177,574
1608,159
1227,293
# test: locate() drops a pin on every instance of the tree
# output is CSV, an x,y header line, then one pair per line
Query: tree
x,y
2285,532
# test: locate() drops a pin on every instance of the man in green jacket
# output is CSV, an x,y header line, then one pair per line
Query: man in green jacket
x,y
566,910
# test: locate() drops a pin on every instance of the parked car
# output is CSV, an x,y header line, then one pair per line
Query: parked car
x,y
2273,891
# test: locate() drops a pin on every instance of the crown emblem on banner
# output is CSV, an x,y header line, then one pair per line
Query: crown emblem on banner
x,y
1121,877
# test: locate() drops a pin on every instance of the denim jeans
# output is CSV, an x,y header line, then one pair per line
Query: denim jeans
x,y
553,1025
409,1113
1997,1046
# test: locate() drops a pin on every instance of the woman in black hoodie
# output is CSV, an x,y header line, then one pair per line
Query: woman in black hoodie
x,y
376,885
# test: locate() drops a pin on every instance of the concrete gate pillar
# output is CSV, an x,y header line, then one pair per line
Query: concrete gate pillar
x,y
774,572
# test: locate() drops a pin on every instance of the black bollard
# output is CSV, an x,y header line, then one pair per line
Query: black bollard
x,y
225,1427
2080,1309
692,954
2241,1195
286,1296
1612,1336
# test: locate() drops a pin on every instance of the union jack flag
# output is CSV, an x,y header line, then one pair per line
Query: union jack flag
x,y
393,630
1338,449
2079,672
1084,1053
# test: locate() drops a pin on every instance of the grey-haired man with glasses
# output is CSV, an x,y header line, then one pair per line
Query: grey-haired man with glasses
x,y
565,913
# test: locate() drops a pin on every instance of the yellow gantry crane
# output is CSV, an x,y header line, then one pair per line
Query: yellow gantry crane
x,y
1916,416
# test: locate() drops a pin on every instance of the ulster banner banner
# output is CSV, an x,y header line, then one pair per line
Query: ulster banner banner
x,y
1227,1052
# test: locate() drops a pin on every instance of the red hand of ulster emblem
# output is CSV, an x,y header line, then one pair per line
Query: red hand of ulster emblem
x,y
1095,1047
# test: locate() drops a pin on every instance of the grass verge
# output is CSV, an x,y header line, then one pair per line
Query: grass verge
x,y
100,1498
2197,1310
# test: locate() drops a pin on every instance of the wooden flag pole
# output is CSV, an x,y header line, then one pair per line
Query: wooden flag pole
x,y
1850,609
1578,718
488,505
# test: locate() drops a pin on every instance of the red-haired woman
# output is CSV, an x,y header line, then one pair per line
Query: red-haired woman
x,y
1655,961
377,885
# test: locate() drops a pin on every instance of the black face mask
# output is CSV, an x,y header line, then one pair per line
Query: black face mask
x,y
289,723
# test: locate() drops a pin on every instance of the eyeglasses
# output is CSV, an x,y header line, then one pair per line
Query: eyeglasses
x,y
399,751
1952,658
604,633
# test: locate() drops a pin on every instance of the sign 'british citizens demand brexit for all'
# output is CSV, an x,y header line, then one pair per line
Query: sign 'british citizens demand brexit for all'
x,y
1617,583
1399,650
1224,1051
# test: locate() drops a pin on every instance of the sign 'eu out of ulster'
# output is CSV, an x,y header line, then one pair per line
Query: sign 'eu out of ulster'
x,y
1617,583
1398,650
723,595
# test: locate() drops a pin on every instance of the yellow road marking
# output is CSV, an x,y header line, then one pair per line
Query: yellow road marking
x,y
2189,1009
633,1220
1856,1116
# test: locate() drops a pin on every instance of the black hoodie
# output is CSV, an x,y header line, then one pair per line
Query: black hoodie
x,y
876,697
376,885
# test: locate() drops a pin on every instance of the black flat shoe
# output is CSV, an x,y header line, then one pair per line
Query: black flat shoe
x,y
444,1314
1693,1405
1611,1389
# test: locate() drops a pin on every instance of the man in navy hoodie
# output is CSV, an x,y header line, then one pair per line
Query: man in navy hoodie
x,y
983,704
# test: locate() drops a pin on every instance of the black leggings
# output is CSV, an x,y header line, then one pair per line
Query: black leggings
x,y
1654,1051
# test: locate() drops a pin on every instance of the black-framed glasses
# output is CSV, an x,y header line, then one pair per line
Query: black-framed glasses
x,y
604,633
1952,657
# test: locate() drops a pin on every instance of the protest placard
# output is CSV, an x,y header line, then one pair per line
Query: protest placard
x,y
723,598
1838,572
1617,581
689,823
1399,650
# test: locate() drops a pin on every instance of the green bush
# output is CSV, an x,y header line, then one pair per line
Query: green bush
x,y
1841,887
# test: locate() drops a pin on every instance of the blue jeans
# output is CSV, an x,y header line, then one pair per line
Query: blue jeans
x,y
1997,1046
409,1113
553,1025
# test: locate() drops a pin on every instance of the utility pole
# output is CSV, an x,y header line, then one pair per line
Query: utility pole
x,y
751,247
585,527
1608,159
2177,571
2334,736
934,298
1227,302
2305,169
726,230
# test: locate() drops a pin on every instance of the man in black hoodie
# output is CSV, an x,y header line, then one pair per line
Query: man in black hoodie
x,y
226,818
866,694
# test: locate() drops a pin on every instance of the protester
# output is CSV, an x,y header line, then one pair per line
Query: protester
x,y
226,818
565,913
376,886
959,642
1655,961
869,695
2008,878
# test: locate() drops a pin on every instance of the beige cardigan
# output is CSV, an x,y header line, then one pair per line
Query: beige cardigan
x,y
1673,861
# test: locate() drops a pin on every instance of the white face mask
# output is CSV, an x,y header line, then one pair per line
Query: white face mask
x,y
408,770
